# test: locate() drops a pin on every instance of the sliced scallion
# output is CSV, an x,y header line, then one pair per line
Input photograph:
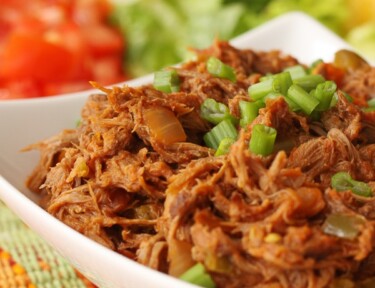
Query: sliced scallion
x,y
225,129
342,181
249,111
284,81
224,146
371,103
198,275
324,93
262,139
309,82
218,69
303,99
215,112
259,90
167,81
296,71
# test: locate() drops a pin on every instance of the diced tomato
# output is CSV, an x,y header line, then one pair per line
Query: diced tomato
x,y
53,47
334,73
102,40
54,88
44,60
106,70
25,88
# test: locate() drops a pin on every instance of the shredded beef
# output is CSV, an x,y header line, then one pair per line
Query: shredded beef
x,y
252,221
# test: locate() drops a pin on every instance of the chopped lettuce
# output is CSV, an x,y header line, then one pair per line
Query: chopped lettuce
x,y
159,32
363,39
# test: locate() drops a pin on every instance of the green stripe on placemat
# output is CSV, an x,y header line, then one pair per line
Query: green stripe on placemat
x,y
27,261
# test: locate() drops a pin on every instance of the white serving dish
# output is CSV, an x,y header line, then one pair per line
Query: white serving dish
x,y
23,122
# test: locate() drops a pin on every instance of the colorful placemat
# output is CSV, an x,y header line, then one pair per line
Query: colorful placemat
x,y
27,261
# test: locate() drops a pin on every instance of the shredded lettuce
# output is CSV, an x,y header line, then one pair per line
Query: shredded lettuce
x,y
363,39
159,32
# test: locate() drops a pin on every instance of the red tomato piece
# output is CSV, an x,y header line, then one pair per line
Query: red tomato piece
x,y
43,61
102,40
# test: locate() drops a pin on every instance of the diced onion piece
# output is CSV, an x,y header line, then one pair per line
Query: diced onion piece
x,y
164,125
343,225
349,60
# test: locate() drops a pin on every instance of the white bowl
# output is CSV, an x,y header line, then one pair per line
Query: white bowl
x,y
27,121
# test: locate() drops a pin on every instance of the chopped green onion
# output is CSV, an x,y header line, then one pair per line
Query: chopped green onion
x,y
342,181
309,82
342,225
296,71
262,139
324,93
197,275
315,64
334,100
224,146
215,112
78,122
249,111
347,96
217,68
259,90
266,77
371,103
368,109
292,105
225,129
167,81
303,99
274,95
284,81
271,95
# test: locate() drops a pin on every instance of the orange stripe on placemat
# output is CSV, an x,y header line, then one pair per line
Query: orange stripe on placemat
x,y
26,261
12,274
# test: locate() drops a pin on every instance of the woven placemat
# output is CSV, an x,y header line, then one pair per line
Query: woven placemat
x,y
26,261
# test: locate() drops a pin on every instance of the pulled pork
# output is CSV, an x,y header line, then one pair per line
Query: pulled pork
x,y
166,201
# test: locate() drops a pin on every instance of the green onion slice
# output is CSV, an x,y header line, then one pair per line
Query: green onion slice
x,y
198,275
215,112
225,129
218,69
224,146
309,82
262,139
371,103
296,71
249,111
342,181
259,90
303,99
324,93
284,81
167,81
